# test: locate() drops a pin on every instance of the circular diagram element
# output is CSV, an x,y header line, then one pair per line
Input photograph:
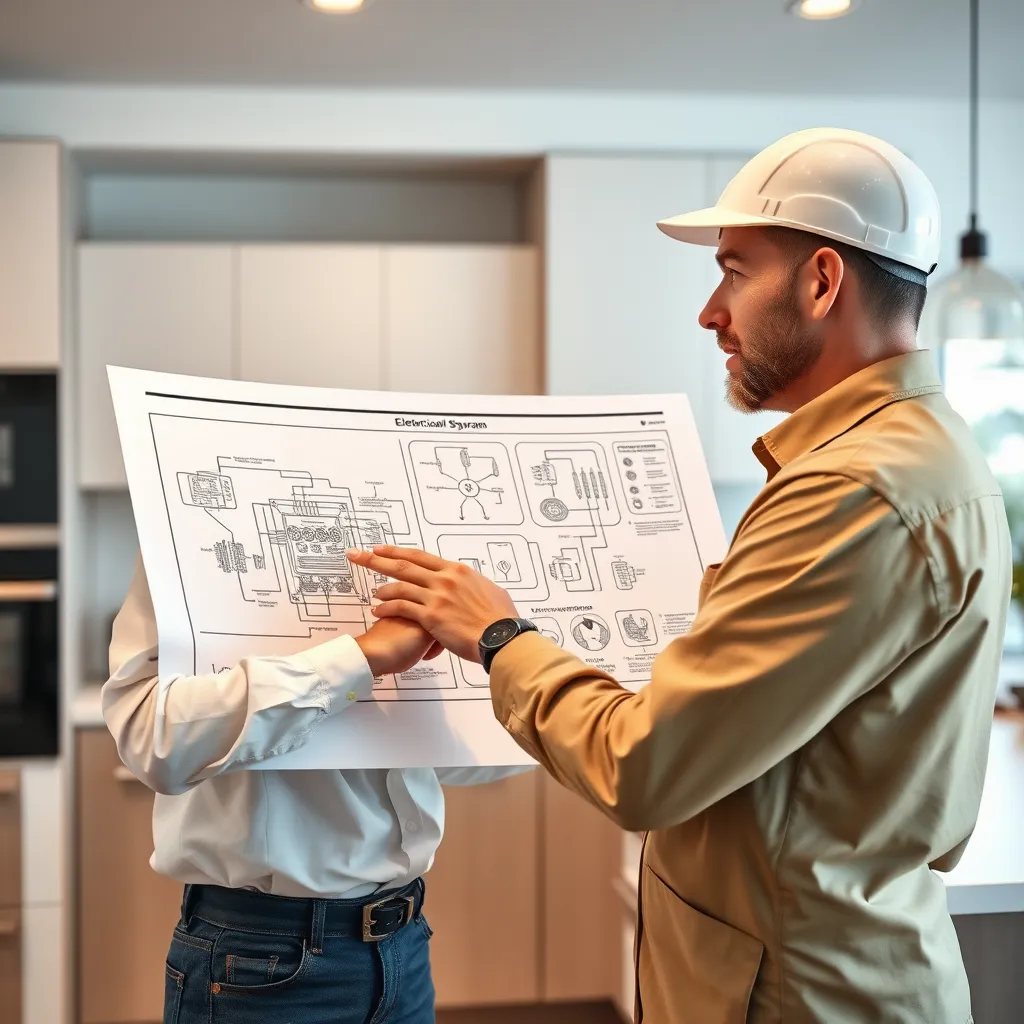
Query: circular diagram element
x,y
470,488
554,509
591,632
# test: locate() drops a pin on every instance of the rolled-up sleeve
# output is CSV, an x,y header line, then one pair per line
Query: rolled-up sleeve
x,y
823,593
174,731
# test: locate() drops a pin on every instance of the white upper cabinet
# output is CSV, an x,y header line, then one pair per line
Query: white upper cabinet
x,y
156,307
310,314
623,298
30,248
462,319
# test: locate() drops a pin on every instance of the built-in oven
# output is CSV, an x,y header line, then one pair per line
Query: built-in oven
x,y
29,681
29,554
28,449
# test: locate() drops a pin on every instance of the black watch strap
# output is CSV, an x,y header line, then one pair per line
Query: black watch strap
x,y
498,635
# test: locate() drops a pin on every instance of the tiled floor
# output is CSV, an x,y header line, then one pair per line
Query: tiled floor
x,y
550,1013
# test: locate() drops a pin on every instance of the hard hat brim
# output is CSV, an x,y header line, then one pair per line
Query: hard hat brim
x,y
704,227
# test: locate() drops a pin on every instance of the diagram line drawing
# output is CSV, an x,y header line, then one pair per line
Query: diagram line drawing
x,y
263,523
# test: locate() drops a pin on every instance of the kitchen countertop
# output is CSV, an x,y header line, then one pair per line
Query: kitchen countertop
x,y
85,709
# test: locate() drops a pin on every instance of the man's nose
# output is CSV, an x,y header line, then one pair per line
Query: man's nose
x,y
714,316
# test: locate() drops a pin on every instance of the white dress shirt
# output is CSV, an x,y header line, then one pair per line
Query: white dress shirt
x,y
327,834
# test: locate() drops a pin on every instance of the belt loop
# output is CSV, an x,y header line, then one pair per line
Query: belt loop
x,y
319,918
188,902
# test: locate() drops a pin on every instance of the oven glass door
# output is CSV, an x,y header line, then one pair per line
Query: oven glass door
x,y
28,668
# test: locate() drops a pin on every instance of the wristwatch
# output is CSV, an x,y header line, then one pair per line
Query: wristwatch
x,y
498,634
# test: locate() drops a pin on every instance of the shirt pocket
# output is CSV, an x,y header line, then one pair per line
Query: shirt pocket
x,y
692,968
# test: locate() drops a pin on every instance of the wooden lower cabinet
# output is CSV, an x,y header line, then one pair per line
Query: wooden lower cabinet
x,y
581,852
519,897
10,839
126,911
482,895
10,964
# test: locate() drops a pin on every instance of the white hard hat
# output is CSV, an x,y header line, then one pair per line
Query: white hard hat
x,y
842,184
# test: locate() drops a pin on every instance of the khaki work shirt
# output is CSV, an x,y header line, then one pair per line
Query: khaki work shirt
x,y
815,746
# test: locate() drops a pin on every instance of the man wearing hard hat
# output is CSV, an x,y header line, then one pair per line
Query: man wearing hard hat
x,y
815,746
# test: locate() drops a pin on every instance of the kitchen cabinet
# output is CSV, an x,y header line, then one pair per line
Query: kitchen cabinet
x,y
482,895
580,857
10,895
415,318
462,319
622,298
30,255
10,839
157,307
10,964
310,314
126,911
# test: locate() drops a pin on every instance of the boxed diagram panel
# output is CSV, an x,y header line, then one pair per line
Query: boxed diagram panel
x,y
465,483
249,498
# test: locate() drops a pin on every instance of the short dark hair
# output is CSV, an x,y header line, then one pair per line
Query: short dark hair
x,y
887,297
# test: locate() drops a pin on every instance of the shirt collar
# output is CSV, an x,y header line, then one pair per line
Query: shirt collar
x,y
852,400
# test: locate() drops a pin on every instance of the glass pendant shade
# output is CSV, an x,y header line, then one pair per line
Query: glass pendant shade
x,y
975,326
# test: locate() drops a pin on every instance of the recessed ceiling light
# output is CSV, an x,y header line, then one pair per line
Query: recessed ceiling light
x,y
821,10
337,6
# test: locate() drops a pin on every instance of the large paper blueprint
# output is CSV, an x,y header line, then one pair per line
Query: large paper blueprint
x,y
596,514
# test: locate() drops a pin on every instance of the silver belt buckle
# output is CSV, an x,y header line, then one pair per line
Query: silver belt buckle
x,y
368,921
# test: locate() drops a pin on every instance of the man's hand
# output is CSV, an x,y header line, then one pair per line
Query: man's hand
x,y
448,599
395,645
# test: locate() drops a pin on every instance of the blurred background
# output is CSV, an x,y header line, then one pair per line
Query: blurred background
x,y
419,195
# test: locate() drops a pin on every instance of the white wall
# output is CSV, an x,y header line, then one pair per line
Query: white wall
x,y
423,122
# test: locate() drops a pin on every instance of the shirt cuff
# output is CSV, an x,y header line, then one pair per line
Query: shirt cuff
x,y
342,670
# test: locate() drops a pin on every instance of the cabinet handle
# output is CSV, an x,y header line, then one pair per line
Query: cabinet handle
x,y
123,774
27,590
8,927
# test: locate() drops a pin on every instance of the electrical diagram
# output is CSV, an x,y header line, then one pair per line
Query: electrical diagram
x,y
593,514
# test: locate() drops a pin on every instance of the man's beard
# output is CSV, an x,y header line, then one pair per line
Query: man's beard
x,y
776,353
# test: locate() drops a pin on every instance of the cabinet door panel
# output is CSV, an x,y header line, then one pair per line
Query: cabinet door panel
x,y
582,854
310,314
30,299
482,895
158,307
462,319
10,839
622,298
10,963
126,911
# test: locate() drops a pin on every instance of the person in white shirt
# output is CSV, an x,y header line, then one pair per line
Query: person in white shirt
x,y
303,893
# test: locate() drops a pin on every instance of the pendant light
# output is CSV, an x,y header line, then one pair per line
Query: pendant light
x,y
975,323
977,303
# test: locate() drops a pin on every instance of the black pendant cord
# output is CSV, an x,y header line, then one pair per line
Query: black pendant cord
x,y
974,114
973,244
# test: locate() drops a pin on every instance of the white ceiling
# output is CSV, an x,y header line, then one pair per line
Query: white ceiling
x,y
906,47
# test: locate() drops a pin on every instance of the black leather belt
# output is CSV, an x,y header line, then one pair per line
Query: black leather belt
x,y
370,918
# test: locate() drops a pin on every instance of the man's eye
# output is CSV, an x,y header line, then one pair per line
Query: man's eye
x,y
732,275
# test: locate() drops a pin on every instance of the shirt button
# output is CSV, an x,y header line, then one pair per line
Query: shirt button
x,y
411,826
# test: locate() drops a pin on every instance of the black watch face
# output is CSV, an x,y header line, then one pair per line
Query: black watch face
x,y
500,632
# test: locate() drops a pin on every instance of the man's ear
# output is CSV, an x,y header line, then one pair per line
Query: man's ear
x,y
820,286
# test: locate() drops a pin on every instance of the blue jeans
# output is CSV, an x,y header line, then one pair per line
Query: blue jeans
x,y
239,957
